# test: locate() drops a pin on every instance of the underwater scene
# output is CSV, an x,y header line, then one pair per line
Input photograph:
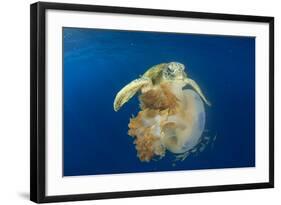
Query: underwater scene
x,y
138,101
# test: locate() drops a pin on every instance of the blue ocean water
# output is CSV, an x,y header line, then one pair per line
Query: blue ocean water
x,y
98,63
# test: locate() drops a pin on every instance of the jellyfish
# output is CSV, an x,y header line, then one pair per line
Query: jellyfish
x,y
171,119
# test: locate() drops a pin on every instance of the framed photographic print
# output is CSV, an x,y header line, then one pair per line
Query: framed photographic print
x,y
129,102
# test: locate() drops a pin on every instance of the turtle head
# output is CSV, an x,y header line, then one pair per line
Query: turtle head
x,y
174,71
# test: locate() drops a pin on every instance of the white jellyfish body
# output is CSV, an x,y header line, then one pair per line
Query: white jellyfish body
x,y
190,124
171,119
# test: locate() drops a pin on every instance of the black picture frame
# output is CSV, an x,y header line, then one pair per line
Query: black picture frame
x,y
38,101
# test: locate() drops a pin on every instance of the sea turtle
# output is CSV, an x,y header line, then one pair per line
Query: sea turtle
x,y
164,72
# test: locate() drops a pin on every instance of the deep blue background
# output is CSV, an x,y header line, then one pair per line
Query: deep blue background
x,y
98,63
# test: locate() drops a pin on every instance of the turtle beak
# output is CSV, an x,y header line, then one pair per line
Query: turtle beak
x,y
179,77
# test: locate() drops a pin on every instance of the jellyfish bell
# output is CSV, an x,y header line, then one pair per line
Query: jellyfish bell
x,y
182,131
176,128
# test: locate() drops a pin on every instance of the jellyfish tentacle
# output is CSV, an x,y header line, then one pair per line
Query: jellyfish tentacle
x,y
127,92
196,87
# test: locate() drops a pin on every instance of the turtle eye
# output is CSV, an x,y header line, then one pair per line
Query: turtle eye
x,y
171,69
180,66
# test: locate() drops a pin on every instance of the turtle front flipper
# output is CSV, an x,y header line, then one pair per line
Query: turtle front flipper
x,y
196,87
127,92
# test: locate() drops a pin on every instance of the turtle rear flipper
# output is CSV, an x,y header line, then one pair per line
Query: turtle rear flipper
x,y
127,92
